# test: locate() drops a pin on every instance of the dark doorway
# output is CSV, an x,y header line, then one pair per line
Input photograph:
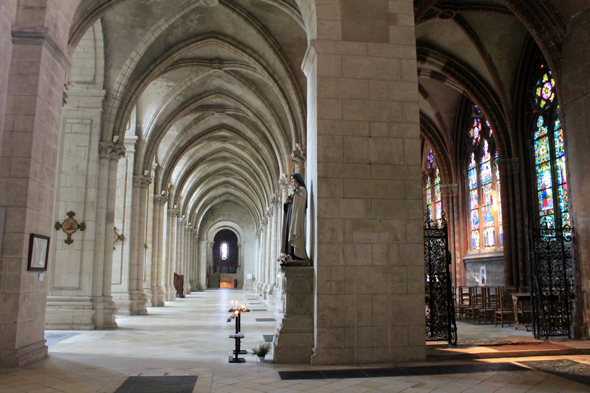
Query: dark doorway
x,y
226,257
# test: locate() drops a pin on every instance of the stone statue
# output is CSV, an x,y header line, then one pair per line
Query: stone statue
x,y
293,234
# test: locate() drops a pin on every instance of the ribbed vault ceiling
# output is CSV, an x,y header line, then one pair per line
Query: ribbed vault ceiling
x,y
216,94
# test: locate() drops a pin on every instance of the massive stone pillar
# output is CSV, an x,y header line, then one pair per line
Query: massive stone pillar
x,y
30,105
138,240
274,250
267,249
171,254
364,182
158,266
574,88
263,243
257,256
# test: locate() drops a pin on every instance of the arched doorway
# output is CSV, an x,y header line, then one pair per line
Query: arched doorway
x,y
226,258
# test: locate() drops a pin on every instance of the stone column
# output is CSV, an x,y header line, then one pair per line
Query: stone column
x,y
102,300
158,269
264,232
449,200
136,259
32,99
364,184
171,254
267,249
257,256
274,253
294,335
186,258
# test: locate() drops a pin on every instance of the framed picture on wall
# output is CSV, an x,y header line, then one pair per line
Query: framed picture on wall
x,y
38,252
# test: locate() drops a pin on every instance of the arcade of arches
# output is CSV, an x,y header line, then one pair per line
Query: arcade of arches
x,y
180,118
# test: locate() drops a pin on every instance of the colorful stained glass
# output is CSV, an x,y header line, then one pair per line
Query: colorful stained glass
x,y
546,201
428,195
501,229
491,132
486,194
561,174
559,147
545,90
486,156
430,159
541,127
489,237
563,198
475,240
541,150
486,172
473,199
565,219
472,174
543,176
475,132
438,210
488,216
472,163
474,219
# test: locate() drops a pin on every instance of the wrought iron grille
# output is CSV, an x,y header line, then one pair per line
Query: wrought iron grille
x,y
440,309
552,280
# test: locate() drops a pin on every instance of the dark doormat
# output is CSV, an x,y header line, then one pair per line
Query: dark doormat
x,y
401,371
164,384
265,320
268,338
567,369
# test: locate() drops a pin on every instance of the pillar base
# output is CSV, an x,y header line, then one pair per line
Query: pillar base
x,y
69,313
138,303
105,311
171,294
10,358
294,337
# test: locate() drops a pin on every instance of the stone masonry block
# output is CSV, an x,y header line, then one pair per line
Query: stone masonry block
x,y
374,68
385,111
384,189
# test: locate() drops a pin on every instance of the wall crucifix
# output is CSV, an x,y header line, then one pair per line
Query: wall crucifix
x,y
70,226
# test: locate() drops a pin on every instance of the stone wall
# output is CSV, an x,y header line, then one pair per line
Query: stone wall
x,y
230,212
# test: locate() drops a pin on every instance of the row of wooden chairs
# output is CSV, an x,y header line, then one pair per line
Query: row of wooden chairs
x,y
487,304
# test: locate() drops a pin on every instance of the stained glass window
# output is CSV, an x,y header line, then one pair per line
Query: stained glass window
x,y
432,188
549,154
224,251
483,185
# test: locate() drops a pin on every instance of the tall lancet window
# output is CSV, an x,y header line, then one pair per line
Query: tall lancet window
x,y
432,190
483,185
224,251
550,163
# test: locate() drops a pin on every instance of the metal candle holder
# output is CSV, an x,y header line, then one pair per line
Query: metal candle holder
x,y
238,335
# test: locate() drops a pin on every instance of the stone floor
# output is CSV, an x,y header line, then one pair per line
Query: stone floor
x,y
189,337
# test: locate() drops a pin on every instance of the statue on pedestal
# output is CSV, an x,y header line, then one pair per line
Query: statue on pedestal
x,y
293,233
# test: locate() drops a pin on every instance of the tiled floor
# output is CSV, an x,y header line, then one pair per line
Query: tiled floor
x,y
189,337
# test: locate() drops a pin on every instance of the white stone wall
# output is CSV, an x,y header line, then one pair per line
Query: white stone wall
x,y
230,211
71,267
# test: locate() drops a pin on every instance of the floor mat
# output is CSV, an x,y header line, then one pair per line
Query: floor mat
x,y
164,384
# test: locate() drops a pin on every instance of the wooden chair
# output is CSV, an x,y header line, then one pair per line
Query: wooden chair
x,y
477,299
464,300
505,311
490,304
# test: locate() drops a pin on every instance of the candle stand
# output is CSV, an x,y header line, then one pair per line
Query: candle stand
x,y
238,335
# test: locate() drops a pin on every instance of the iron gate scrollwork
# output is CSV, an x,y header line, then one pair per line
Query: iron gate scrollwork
x,y
552,280
440,308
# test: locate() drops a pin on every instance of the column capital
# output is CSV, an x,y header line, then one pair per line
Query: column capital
x,y
298,157
173,212
449,189
160,200
110,150
142,181
275,201
283,183
509,165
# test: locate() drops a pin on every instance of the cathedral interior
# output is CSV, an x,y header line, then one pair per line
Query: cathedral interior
x,y
146,152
